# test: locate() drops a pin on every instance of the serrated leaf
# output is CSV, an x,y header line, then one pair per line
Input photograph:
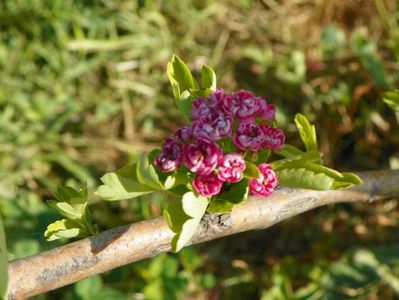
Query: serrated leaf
x,y
392,99
217,205
208,78
251,170
306,179
184,217
122,184
304,174
64,229
3,261
237,192
307,132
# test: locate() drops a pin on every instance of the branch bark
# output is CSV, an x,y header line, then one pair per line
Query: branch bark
x,y
126,244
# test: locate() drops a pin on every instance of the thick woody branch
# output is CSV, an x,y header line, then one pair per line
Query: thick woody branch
x,y
126,244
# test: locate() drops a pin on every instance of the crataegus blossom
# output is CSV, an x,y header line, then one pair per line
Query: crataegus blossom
x,y
200,108
202,157
249,136
242,104
214,126
267,111
207,185
171,156
215,99
274,137
231,167
265,185
183,134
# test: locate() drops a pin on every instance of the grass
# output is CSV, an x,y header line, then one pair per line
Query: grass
x,y
83,89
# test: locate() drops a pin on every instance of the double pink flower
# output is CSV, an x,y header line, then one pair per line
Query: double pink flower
x,y
213,120
170,157
266,184
249,136
231,167
202,157
214,126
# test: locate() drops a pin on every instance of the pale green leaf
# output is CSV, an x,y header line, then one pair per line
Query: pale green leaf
x,y
122,184
146,172
66,210
182,83
64,229
307,132
3,261
184,217
392,99
179,74
208,78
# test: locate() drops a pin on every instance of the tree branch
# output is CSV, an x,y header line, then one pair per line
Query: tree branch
x,y
126,244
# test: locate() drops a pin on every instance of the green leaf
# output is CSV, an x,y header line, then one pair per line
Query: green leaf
x,y
70,203
251,170
146,172
179,74
305,174
262,156
302,178
289,151
392,99
3,261
66,209
347,180
184,104
65,194
150,175
122,184
208,78
64,229
310,156
237,193
184,217
182,83
307,132
217,205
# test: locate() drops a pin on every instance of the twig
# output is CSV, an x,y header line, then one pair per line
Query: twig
x,y
126,244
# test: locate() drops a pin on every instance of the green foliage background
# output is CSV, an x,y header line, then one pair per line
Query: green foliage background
x,y
83,90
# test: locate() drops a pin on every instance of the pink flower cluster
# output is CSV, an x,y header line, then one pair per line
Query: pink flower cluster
x,y
240,117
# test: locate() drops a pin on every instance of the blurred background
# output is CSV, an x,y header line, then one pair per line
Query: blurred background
x,y
83,89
